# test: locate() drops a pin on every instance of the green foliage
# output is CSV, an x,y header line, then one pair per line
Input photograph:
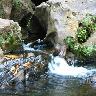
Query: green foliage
x,y
73,46
89,22
6,41
70,41
82,34
1,40
79,49
2,12
17,4
9,41
86,28
87,50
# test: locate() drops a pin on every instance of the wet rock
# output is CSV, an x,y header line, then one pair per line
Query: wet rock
x,y
5,8
16,73
10,35
20,8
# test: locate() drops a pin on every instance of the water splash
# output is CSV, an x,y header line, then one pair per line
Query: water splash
x,y
59,66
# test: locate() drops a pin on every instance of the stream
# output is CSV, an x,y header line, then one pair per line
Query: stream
x,y
59,80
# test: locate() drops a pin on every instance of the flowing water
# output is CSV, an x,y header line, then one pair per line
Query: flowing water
x,y
64,80
59,80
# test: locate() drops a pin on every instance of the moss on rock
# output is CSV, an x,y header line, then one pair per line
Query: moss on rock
x,y
10,35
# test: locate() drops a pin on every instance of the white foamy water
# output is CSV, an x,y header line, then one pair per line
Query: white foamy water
x,y
26,47
59,66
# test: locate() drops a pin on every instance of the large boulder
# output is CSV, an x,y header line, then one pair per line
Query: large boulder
x,y
10,35
59,22
55,16
63,17
16,9
5,8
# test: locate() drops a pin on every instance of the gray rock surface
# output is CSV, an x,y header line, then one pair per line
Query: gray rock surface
x,y
55,16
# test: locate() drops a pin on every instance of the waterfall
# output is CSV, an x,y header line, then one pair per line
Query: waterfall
x,y
60,66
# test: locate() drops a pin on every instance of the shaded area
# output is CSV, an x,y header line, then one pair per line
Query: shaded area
x,y
38,2
32,27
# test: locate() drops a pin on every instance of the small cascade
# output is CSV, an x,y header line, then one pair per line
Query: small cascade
x,y
60,66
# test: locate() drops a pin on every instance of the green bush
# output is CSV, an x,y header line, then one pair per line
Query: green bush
x,y
86,28
70,41
89,22
82,35
79,49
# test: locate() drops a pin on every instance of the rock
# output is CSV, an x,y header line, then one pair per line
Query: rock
x,y
63,16
5,8
55,16
10,35
20,8
91,40
85,6
17,10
